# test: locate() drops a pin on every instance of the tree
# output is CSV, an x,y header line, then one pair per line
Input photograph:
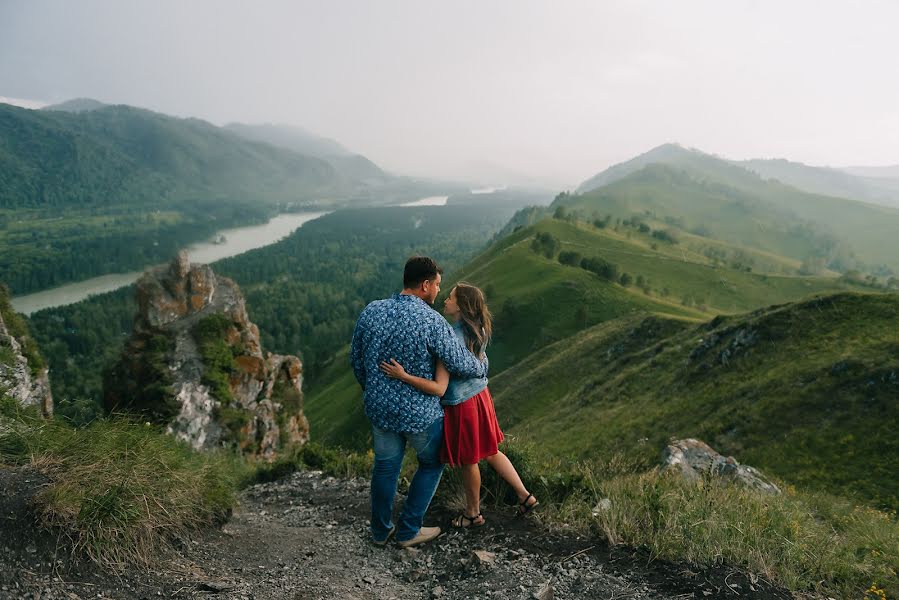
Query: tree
x,y
570,258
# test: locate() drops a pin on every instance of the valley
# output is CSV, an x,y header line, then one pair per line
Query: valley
x,y
676,295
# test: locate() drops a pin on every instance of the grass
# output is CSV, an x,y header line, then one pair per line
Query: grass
x,y
806,542
123,490
805,391
120,490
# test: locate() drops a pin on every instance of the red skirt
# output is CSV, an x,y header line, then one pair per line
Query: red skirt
x,y
470,431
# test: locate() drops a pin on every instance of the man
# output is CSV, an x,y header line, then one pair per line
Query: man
x,y
406,328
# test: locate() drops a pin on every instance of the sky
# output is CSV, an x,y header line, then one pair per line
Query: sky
x,y
555,91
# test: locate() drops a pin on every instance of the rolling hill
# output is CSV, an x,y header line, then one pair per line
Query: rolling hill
x,y
120,155
718,199
537,301
808,391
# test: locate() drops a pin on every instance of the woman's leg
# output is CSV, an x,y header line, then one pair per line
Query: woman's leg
x,y
504,468
471,480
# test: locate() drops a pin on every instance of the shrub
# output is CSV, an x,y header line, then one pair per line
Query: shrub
x,y
569,257
600,267
665,235
546,244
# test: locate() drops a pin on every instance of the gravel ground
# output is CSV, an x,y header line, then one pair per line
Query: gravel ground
x,y
305,537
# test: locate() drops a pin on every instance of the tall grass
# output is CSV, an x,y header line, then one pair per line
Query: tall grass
x,y
120,490
806,542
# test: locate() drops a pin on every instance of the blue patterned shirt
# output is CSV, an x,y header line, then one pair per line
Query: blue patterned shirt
x,y
404,327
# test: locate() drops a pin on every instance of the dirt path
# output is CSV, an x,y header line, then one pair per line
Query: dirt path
x,y
305,537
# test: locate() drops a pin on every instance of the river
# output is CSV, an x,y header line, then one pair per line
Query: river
x,y
429,201
232,242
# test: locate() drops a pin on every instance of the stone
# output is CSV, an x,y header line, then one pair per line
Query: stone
x,y
694,458
545,592
483,558
255,405
437,592
602,506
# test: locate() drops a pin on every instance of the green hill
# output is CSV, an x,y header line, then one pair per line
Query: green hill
x,y
807,391
718,199
536,301
119,155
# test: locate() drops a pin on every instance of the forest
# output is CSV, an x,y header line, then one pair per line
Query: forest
x,y
303,292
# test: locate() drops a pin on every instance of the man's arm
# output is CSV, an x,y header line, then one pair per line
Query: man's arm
x,y
356,351
458,360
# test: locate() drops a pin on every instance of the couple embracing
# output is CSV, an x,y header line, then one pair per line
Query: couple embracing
x,y
425,385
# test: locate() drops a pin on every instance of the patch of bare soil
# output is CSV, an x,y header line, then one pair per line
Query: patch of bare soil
x,y
305,537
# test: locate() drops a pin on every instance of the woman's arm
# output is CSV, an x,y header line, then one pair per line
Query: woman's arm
x,y
435,387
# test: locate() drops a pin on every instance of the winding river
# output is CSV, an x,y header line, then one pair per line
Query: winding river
x,y
230,242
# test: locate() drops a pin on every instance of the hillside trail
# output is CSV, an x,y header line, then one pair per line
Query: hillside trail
x,y
305,537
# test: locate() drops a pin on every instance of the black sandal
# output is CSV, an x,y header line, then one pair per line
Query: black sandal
x,y
524,508
459,522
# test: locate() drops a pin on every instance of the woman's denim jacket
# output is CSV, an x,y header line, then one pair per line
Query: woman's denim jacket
x,y
460,390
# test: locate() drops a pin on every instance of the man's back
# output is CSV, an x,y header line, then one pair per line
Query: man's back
x,y
405,328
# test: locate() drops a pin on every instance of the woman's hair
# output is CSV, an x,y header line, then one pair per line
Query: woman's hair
x,y
477,324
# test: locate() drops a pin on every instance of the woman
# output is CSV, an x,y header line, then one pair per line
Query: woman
x,y
471,432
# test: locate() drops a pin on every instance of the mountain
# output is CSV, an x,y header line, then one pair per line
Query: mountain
x,y
888,172
703,193
351,165
76,105
124,155
674,155
827,181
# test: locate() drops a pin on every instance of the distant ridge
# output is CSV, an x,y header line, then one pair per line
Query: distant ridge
x,y
891,171
76,105
724,200
831,182
351,165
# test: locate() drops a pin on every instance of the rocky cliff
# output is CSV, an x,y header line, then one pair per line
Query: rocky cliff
x,y
23,374
195,364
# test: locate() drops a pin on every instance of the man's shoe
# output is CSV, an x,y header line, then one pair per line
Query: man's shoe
x,y
386,539
425,535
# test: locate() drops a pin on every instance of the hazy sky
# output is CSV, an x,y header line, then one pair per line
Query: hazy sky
x,y
552,89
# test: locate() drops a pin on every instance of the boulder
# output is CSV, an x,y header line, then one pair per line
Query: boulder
x,y
195,365
693,459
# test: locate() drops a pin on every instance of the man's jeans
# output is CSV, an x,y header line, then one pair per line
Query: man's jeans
x,y
389,450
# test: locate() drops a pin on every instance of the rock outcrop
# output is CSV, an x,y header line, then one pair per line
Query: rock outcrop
x,y
23,374
195,364
694,458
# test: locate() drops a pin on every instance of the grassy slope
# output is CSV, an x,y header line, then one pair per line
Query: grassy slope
x,y
738,206
806,391
537,301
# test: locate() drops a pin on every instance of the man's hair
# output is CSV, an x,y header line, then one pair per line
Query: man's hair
x,y
418,269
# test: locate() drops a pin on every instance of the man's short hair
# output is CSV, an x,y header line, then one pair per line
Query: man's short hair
x,y
419,269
